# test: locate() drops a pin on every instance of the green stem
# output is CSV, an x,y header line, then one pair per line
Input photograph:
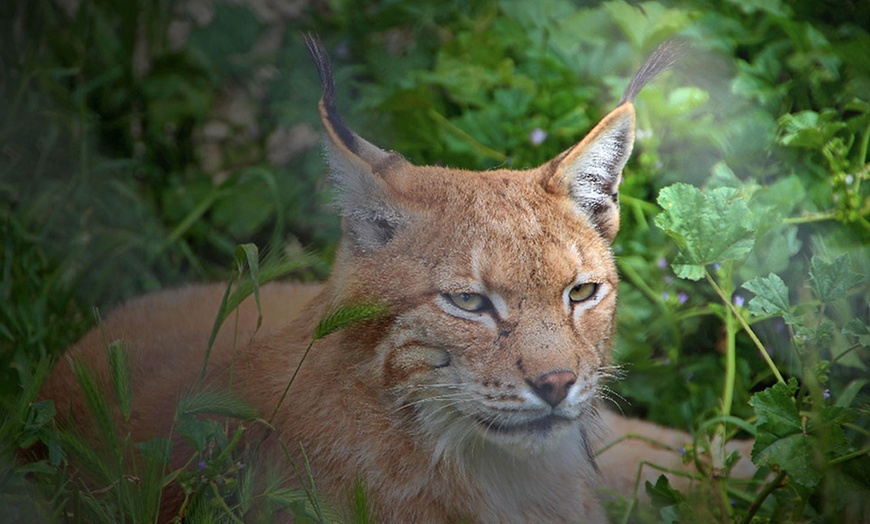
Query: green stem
x,y
862,154
632,276
850,456
223,503
477,146
730,363
759,500
290,383
812,217
746,328
648,207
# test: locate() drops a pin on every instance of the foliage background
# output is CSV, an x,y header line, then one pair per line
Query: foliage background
x,y
140,142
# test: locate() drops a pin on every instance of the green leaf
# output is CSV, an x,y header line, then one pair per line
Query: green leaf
x,y
116,355
214,402
794,454
847,395
831,280
808,129
160,448
200,432
781,440
776,410
662,494
771,297
722,176
232,33
689,271
715,226
860,330
348,315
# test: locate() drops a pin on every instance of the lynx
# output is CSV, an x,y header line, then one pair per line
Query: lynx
x,y
477,396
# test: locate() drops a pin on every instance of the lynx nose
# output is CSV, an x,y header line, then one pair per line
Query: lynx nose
x,y
553,386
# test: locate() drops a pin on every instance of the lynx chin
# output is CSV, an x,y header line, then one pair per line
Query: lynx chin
x,y
477,397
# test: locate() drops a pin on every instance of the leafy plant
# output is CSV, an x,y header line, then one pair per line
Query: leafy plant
x,y
743,247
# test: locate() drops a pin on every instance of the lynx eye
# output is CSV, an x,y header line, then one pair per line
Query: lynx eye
x,y
582,292
473,302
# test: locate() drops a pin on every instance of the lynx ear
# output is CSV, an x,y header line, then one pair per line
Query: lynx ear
x,y
590,172
371,213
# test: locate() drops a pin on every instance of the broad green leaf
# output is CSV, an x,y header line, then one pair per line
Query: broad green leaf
x,y
199,432
860,330
772,252
662,494
831,280
722,176
793,453
771,297
830,417
689,271
710,227
781,439
808,129
776,410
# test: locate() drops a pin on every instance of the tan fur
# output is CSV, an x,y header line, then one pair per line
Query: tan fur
x,y
441,413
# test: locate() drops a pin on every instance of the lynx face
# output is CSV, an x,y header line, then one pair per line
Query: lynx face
x,y
505,333
502,283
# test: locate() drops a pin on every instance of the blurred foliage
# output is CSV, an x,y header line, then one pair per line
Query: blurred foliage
x,y
141,142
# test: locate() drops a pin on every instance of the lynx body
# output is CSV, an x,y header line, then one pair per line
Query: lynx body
x,y
476,397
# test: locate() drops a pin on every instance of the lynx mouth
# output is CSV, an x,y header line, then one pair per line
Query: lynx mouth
x,y
539,425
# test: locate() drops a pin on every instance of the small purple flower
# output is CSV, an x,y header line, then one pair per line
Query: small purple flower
x,y
682,298
666,296
738,300
682,450
201,465
537,136
668,279
663,263
826,393
716,266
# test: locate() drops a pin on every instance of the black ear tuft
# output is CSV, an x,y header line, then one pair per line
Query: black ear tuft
x,y
327,85
662,59
372,213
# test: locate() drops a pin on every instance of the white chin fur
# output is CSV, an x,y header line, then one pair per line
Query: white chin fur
x,y
458,437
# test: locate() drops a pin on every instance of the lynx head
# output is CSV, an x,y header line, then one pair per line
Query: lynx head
x,y
501,284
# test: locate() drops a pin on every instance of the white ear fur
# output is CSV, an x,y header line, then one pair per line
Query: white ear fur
x,y
590,172
596,170
371,215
